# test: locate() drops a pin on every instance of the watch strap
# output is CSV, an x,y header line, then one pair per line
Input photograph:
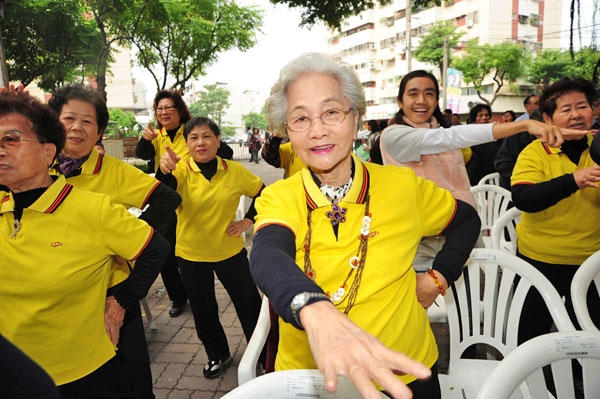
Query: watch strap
x,y
312,298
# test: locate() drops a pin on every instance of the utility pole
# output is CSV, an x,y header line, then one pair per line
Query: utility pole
x,y
408,16
445,73
3,69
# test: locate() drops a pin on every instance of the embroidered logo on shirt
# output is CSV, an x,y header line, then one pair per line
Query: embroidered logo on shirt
x,y
56,244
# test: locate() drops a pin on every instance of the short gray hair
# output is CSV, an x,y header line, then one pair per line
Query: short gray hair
x,y
276,104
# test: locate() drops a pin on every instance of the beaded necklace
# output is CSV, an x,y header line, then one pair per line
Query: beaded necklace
x,y
356,262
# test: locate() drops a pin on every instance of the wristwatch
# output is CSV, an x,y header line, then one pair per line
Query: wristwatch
x,y
303,299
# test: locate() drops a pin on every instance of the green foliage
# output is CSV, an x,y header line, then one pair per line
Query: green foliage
x,y
212,103
228,130
255,119
126,123
333,12
179,39
431,48
505,62
49,40
551,65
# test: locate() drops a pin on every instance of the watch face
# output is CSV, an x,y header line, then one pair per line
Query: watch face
x,y
300,299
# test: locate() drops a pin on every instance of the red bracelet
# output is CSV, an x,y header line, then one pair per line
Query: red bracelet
x,y
437,282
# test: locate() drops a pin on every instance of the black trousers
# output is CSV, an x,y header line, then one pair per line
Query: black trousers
x,y
234,273
170,273
133,352
110,381
535,318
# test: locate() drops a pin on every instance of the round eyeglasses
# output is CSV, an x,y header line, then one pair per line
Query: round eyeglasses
x,y
331,117
14,138
167,108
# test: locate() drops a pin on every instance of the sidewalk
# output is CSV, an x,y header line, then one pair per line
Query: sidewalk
x,y
177,355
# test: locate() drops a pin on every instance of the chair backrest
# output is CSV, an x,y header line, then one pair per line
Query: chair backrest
x,y
586,273
492,317
506,224
522,367
240,212
492,202
247,366
294,384
492,178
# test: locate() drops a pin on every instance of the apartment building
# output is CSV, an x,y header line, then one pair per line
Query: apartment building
x,y
375,43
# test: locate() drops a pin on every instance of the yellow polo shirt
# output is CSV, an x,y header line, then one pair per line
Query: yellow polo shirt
x,y
290,161
55,273
207,208
124,184
404,208
567,232
178,145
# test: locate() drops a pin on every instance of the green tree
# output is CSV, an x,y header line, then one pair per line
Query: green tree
x,y
49,40
255,119
180,45
212,103
549,65
126,123
504,62
333,12
431,47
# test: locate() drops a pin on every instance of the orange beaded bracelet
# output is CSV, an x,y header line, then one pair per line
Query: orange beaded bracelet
x,y
437,282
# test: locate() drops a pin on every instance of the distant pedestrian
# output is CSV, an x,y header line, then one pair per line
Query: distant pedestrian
x,y
254,145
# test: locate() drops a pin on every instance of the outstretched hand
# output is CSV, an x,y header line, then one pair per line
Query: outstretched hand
x,y
554,136
149,133
168,161
340,347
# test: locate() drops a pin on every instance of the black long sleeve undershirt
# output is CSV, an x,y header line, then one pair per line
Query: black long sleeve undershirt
x,y
270,151
274,269
163,201
540,196
147,266
144,149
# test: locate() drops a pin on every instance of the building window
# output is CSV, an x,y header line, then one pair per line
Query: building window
x,y
366,26
387,100
390,63
534,19
371,103
523,19
399,14
461,21
368,84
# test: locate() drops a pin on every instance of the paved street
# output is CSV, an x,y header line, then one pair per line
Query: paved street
x,y
176,354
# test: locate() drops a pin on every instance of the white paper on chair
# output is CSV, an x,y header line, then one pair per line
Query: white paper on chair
x,y
572,346
306,387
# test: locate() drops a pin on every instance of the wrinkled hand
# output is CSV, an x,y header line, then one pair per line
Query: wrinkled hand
x,y
11,89
113,319
238,227
427,291
168,161
149,133
553,136
340,347
587,177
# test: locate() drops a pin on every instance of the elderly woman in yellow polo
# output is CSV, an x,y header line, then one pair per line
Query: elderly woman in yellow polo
x,y
334,243
57,246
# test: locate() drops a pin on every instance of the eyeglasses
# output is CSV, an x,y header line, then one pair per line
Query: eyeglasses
x,y
331,117
167,108
14,140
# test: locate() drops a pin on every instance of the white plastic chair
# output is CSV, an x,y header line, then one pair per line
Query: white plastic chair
x,y
490,317
247,366
492,202
520,375
492,178
582,280
240,212
290,384
508,220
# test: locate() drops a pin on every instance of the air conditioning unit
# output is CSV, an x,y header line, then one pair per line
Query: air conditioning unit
x,y
469,23
372,65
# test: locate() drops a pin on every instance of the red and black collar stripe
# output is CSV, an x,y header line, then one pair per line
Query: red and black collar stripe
x,y
362,195
547,149
60,198
224,164
98,164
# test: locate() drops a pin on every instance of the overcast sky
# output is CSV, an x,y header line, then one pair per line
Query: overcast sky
x,y
258,68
